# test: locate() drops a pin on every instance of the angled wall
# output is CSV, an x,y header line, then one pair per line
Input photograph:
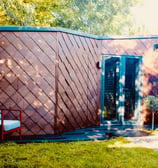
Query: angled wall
x,y
51,76
77,82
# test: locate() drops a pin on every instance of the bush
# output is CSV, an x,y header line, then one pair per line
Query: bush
x,y
151,103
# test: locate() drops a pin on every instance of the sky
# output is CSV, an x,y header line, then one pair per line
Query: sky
x,y
147,15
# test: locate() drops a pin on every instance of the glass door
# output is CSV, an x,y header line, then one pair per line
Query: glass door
x,y
121,89
111,87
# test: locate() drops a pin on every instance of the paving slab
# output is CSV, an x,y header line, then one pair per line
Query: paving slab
x,y
136,136
146,141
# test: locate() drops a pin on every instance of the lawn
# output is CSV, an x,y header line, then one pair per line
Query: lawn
x,y
85,154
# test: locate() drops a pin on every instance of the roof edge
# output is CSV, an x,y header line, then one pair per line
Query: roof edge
x,y
65,30
46,29
127,37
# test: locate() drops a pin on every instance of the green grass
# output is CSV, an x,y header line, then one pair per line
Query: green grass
x,y
87,154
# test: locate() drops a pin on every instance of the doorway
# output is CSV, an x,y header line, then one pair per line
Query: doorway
x,y
121,89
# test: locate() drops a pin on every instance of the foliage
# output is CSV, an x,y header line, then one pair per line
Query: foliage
x,y
45,12
104,17
98,17
151,103
76,154
16,12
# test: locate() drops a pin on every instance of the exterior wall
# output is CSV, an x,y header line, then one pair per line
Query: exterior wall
x,y
28,78
78,82
139,47
52,77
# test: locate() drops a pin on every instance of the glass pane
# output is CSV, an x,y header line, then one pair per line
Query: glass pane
x,y
129,90
111,84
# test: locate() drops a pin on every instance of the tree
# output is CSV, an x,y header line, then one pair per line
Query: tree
x,y
98,17
15,12
105,17
151,104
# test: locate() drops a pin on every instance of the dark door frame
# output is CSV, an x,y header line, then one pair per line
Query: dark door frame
x,y
120,107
